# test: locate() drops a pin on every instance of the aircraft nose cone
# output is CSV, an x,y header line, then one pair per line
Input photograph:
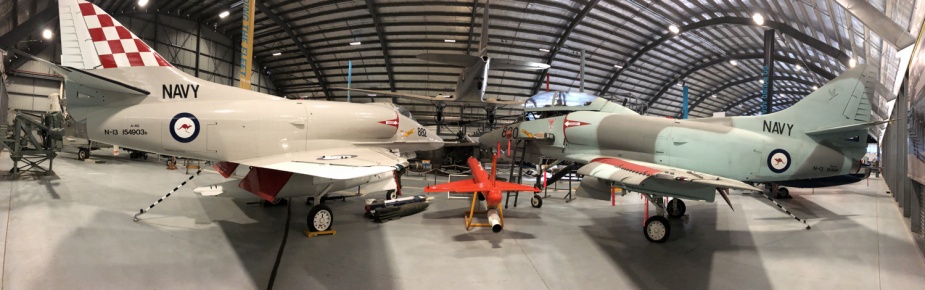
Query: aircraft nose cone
x,y
491,139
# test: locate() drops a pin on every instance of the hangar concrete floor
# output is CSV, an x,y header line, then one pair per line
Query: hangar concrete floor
x,y
74,230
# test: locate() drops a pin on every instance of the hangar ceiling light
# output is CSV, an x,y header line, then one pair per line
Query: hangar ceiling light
x,y
733,62
674,29
277,53
46,34
224,14
799,67
815,88
356,43
449,40
544,50
852,63
758,19
142,3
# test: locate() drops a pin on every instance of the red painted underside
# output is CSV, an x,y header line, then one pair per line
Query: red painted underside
x,y
265,183
644,170
225,168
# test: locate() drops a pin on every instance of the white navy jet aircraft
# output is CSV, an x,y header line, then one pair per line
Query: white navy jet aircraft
x,y
126,94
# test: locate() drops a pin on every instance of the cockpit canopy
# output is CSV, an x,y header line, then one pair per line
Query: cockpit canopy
x,y
556,99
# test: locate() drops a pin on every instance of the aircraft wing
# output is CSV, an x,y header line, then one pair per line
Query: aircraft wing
x,y
508,64
462,186
339,163
636,173
401,95
500,102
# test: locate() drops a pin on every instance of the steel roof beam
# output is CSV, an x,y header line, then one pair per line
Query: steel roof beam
x,y
562,39
753,96
383,43
30,27
783,28
302,48
719,60
744,80
475,5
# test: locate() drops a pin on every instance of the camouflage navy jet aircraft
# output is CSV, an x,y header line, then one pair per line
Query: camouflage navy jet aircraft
x,y
126,94
822,135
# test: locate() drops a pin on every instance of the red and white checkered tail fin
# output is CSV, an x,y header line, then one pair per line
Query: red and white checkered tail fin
x,y
92,39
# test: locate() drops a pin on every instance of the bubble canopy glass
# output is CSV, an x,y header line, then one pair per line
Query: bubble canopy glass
x,y
551,99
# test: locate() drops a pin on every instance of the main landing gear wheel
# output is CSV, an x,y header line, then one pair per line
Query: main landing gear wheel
x,y
391,194
83,153
536,201
320,218
676,208
657,229
783,192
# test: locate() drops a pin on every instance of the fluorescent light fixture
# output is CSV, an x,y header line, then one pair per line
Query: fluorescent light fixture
x,y
815,88
224,14
355,43
713,96
544,50
277,53
851,63
617,66
674,29
46,34
759,19
142,3
371,95
449,40
733,62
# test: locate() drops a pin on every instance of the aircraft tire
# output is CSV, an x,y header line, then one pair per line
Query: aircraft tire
x,y
783,192
676,208
320,218
536,201
83,153
657,229
391,194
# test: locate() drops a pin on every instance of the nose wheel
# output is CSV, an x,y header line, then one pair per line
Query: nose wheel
x,y
676,208
657,229
536,201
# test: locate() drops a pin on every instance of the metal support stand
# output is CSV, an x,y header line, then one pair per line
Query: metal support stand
x,y
514,159
26,148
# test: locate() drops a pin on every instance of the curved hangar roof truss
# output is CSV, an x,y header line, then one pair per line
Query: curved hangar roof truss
x,y
629,50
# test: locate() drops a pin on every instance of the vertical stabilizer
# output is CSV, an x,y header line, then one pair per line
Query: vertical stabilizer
x,y
483,40
843,101
92,39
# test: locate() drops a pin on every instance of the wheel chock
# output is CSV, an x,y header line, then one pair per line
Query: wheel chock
x,y
312,234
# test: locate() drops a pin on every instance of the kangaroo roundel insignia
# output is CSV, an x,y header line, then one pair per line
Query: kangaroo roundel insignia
x,y
779,160
184,127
